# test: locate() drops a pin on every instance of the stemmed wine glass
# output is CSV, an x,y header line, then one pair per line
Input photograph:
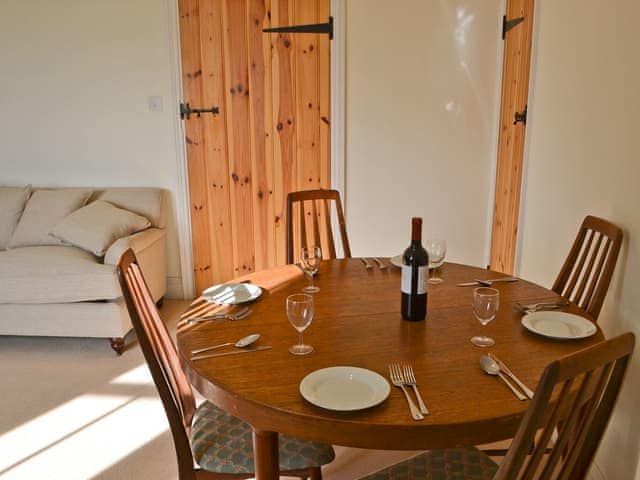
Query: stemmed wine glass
x,y
300,314
310,258
436,249
485,305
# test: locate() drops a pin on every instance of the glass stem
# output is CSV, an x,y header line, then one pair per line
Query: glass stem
x,y
311,279
300,339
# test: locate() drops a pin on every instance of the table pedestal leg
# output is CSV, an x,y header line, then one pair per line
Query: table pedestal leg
x,y
265,455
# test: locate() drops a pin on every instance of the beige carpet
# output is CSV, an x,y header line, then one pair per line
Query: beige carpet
x,y
71,409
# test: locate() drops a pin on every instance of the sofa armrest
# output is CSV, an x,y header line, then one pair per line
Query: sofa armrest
x,y
149,248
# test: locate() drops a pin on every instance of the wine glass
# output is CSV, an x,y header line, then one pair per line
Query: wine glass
x,y
436,249
310,258
300,314
485,305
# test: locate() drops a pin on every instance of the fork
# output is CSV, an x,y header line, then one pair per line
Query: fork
x,y
395,374
366,263
534,307
380,263
410,379
238,315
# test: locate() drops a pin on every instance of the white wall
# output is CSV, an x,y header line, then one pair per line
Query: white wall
x,y
421,116
75,76
583,159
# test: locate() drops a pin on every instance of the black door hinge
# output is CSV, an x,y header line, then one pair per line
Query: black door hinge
x,y
520,116
509,24
312,28
186,111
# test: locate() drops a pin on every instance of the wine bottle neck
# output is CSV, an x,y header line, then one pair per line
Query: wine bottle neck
x,y
416,230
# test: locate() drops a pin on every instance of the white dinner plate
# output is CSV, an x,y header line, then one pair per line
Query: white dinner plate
x,y
559,325
232,293
344,389
397,262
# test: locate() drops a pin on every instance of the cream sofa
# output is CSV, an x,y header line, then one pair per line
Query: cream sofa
x,y
63,290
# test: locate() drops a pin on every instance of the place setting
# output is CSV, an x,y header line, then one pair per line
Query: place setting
x,y
350,388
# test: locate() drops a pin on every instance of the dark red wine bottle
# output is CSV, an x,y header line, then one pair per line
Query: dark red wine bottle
x,y
415,272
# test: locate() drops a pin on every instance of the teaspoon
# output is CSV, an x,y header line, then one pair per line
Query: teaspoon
x,y
243,342
492,368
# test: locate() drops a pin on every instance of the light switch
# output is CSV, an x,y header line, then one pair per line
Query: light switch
x,y
155,104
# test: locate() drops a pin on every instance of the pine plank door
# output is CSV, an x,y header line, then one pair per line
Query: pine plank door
x,y
272,133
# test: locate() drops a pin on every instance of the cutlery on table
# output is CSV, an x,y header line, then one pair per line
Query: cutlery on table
x,y
366,263
487,283
527,391
380,263
233,352
410,379
395,374
243,342
492,368
534,307
237,315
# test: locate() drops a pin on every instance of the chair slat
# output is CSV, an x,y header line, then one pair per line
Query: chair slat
x,y
597,274
303,226
316,226
327,220
578,267
588,269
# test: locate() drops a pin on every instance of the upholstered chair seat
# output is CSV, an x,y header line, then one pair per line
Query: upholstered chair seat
x,y
222,443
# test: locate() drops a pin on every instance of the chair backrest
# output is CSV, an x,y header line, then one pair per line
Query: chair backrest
x,y
161,356
573,403
313,226
586,274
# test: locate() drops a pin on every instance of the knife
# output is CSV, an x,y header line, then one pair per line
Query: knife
x,y
488,282
528,392
233,352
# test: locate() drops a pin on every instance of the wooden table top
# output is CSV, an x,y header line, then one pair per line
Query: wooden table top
x,y
357,322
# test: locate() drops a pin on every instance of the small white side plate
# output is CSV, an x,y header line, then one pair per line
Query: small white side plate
x,y
345,389
397,262
559,325
232,293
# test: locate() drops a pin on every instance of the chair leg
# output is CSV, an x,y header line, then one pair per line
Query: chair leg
x,y
117,343
315,473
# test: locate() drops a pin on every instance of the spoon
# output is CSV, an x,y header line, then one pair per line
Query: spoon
x,y
243,342
492,368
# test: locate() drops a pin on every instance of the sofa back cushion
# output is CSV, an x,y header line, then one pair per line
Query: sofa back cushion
x,y
97,225
149,202
12,202
44,210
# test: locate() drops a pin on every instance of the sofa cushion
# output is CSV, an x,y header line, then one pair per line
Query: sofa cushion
x,y
12,202
96,226
55,274
146,201
45,209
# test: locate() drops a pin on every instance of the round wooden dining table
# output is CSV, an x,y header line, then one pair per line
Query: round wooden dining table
x,y
357,322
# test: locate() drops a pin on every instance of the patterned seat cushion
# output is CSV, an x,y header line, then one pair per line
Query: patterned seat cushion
x,y
460,464
222,443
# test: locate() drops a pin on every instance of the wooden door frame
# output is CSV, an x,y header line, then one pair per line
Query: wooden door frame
x,y
516,74
338,105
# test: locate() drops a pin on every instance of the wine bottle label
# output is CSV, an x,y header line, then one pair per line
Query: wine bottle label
x,y
423,274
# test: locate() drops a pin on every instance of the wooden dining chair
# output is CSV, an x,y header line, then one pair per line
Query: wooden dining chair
x,y
313,227
586,274
210,444
567,417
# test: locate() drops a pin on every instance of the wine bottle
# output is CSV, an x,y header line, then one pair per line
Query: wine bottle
x,y
415,272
